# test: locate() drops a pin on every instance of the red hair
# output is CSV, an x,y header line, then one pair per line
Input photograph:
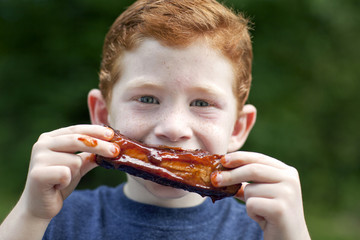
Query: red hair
x,y
178,23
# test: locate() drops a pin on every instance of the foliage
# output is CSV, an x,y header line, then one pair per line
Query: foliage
x,y
305,83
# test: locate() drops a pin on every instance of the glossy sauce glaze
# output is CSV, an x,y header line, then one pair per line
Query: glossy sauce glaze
x,y
187,169
88,141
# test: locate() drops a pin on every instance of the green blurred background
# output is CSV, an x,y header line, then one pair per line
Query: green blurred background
x,y
305,86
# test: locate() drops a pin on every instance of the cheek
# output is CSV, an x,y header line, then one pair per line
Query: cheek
x,y
215,137
130,124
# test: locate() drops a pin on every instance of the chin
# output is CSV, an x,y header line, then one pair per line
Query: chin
x,y
164,192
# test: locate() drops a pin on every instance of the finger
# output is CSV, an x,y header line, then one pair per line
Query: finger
x,y
96,131
256,210
81,143
79,164
257,173
264,209
262,190
241,158
71,161
51,176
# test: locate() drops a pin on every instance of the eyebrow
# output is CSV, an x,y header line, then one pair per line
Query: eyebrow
x,y
207,88
143,83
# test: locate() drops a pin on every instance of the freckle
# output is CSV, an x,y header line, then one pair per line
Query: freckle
x,y
88,141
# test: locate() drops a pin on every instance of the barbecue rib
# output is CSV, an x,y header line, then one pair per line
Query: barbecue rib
x,y
175,167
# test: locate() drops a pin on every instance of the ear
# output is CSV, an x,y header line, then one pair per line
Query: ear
x,y
242,127
97,108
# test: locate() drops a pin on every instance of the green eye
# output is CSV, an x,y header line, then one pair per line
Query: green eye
x,y
148,100
199,103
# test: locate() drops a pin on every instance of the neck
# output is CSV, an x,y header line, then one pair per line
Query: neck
x,y
147,192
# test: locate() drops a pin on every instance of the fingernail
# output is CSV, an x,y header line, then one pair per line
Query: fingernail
x,y
224,160
216,179
109,133
115,149
219,178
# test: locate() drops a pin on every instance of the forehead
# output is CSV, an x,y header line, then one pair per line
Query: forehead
x,y
153,61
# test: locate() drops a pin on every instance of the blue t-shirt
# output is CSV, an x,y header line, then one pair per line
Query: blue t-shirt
x,y
106,213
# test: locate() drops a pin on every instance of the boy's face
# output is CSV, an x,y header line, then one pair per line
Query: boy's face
x,y
175,97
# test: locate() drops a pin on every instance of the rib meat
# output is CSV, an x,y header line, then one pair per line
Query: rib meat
x,y
175,167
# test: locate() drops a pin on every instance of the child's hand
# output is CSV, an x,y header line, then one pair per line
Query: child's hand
x,y
56,166
271,191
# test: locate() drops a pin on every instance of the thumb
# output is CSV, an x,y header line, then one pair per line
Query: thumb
x,y
241,194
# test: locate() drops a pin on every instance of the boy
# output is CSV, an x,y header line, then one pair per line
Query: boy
x,y
176,73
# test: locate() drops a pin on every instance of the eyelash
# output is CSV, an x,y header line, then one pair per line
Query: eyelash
x,y
202,103
196,103
146,100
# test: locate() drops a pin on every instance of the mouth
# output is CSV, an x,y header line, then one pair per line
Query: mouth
x,y
176,167
185,146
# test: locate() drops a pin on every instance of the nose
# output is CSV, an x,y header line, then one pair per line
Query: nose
x,y
173,126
